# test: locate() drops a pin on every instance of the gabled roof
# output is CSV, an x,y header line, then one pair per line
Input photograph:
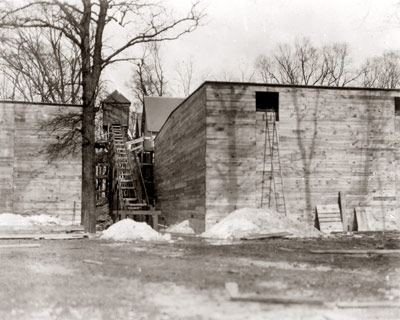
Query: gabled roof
x,y
157,110
116,97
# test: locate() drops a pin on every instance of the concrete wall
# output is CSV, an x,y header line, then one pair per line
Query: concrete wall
x,y
179,168
29,184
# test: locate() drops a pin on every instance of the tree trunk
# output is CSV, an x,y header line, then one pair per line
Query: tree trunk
x,y
88,166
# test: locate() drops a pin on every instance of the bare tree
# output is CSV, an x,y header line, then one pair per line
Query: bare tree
x,y
246,74
310,67
41,66
265,66
243,73
85,24
337,62
148,77
287,65
184,71
382,72
305,64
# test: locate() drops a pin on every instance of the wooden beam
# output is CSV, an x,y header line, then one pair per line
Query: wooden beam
x,y
234,294
19,245
368,304
355,251
342,206
50,236
267,235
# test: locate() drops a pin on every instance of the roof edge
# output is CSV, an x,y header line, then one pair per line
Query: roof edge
x,y
297,86
42,103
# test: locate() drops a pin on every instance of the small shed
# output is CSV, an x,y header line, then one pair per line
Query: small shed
x,y
116,110
210,154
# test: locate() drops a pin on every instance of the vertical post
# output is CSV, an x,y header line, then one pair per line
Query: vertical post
x,y
342,206
73,213
155,218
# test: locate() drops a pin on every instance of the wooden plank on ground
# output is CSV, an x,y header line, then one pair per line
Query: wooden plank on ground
x,y
328,218
233,291
368,304
99,263
10,229
19,245
49,236
266,236
355,251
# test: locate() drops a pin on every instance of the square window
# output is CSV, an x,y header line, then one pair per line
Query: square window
x,y
397,106
268,102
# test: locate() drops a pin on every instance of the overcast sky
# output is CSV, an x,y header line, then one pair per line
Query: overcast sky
x,y
237,31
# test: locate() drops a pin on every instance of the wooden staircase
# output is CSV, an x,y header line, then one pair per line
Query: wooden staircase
x,y
276,195
128,187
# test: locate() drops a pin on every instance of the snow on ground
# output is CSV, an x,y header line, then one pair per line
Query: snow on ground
x,y
10,219
128,230
182,227
250,221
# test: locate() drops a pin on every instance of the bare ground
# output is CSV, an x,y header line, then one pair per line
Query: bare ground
x,y
94,279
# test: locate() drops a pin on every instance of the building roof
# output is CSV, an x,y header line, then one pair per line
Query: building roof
x,y
157,111
116,97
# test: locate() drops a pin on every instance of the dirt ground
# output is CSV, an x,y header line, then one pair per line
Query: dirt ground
x,y
95,279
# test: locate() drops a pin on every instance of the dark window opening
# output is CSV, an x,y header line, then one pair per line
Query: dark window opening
x,y
268,102
397,106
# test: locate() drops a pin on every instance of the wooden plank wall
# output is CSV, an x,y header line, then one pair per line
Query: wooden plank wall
x,y
6,157
339,140
38,186
331,140
397,162
179,168
231,151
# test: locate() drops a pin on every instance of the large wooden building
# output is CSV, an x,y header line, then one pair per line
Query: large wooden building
x,y
30,183
211,158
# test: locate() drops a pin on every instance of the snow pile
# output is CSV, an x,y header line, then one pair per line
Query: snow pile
x,y
46,220
250,221
128,230
10,219
182,227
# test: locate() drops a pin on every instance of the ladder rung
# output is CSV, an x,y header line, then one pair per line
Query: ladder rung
x,y
137,205
130,199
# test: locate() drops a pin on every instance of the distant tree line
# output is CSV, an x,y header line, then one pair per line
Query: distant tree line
x,y
332,65
299,63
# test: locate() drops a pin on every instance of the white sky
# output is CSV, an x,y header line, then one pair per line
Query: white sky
x,y
237,31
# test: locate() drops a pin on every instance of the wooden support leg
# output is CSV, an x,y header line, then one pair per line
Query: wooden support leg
x,y
155,222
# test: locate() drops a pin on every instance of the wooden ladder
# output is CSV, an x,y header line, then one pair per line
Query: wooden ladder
x,y
276,195
130,196
125,186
